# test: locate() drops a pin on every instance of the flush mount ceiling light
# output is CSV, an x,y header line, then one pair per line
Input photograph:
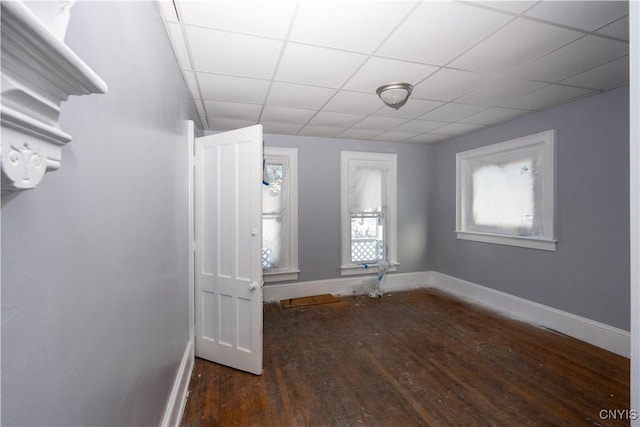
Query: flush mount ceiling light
x,y
395,95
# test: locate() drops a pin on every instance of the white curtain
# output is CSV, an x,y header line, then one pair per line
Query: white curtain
x,y
366,186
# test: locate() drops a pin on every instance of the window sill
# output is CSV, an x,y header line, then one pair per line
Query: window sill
x,y
280,276
356,269
501,239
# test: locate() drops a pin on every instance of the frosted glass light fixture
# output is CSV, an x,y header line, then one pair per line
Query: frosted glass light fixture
x,y
395,95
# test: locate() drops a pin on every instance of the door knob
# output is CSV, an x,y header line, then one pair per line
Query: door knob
x,y
254,232
253,286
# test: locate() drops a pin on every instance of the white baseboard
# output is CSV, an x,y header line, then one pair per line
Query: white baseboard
x,y
342,285
178,397
599,334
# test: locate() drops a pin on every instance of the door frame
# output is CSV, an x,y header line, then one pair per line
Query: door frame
x,y
634,202
191,169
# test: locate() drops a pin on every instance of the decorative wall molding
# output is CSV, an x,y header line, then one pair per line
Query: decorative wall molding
x,y
178,397
599,334
54,14
39,72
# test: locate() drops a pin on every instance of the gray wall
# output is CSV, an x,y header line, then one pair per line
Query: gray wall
x,y
94,260
588,275
319,202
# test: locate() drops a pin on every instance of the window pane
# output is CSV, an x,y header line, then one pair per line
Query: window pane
x,y
273,190
274,243
275,216
274,175
367,237
367,202
503,197
505,192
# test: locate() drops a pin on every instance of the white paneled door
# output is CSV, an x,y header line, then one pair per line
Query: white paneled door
x,y
228,280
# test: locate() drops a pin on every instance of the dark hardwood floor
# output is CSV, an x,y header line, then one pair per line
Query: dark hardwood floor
x,y
409,359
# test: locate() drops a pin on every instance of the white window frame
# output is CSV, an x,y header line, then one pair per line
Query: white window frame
x,y
290,157
348,268
544,145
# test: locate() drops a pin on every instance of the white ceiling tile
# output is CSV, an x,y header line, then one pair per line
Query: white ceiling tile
x,y
509,6
394,136
298,96
327,118
580,55
286,115
192,84
448,84
218,124
229,88
499,91
280,128
232,110
179,46
586,15
317,65
519,42
412,109
270,19
495,115
379,71
365,134
454,129
378,123
324,131
428,139
619,29
605,76
452,111
418,126
437,32
356,26
548,97
233,54
354,102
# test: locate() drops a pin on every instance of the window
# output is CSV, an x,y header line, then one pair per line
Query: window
x,y
280,214
368,205
505,192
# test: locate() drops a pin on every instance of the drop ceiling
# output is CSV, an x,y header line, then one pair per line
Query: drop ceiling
x,y
312,67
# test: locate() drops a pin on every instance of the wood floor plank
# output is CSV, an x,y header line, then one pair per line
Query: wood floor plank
x,y
410,359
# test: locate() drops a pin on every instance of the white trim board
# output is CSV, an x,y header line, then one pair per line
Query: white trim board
x,y
599,334
343,286
178,397
191,161
634,196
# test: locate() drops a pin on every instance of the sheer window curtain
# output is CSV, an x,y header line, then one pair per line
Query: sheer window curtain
x,y
366,186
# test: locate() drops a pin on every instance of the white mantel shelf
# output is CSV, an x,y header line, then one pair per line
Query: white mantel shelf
x,y
39,72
